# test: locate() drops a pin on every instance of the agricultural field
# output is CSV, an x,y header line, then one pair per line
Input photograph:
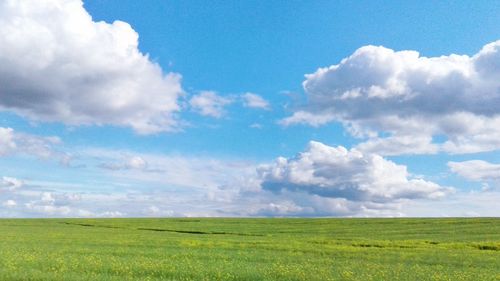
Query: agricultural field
x,y
250,249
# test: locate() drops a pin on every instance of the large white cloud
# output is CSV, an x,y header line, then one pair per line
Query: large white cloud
x,y
476,170
335,172
378,92
57,64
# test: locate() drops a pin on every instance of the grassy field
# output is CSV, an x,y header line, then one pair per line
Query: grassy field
x,y
250,249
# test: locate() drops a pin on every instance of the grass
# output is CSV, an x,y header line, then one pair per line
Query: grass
x,y
250,249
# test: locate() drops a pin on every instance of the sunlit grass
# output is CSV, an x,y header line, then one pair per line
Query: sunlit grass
x,y
250,249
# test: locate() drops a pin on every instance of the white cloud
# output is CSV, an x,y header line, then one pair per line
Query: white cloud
x,y
48,209
204,174
208,103
396,145
255,101
321,181
133,162
137,162
111,214
60,65
13,142
391,97
476,170
9,203
7,144
10,183
54,204
304,117
293,203
47,198
154,211
334,181
284,208
256,126
460,204
335,172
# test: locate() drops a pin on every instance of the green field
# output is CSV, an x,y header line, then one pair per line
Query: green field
x,y
250,249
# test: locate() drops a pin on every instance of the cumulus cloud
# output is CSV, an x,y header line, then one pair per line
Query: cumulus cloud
x,y
335,172
255,101
335,181
391,97
60,65
209,103
476,170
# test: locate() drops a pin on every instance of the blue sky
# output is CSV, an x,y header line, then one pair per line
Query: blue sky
x,y
249,108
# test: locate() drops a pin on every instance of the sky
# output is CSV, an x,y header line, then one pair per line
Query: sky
x,y
121,108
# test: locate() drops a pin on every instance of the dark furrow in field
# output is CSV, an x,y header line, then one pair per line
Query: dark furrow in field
x,y
92,225
199,232
165,230
488,247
